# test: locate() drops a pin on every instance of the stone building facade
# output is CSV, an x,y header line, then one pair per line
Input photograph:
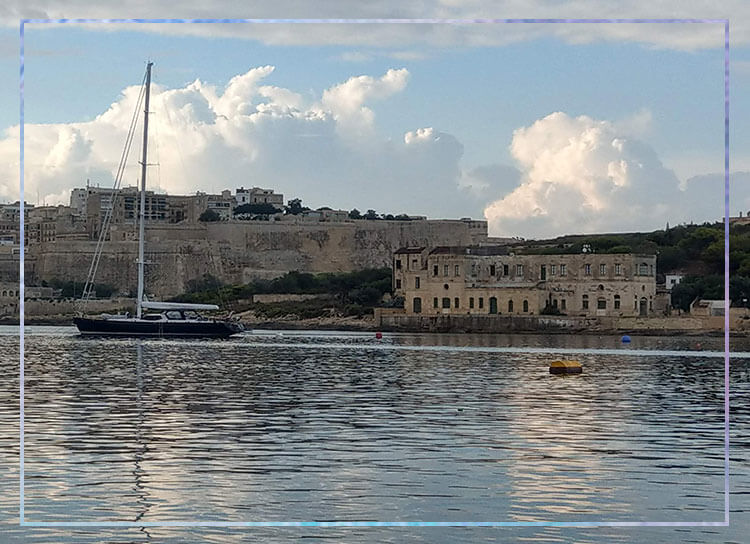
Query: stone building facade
x,y
492,280
256,195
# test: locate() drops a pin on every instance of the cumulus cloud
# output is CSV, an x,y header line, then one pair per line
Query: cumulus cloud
x,y
582,175
346,101
684,36
325,149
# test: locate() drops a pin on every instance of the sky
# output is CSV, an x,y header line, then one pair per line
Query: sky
x,y
541,129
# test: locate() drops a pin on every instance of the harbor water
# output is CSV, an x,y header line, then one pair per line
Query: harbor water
x,y
313,426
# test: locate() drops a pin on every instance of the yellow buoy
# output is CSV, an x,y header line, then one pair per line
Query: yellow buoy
x,y
565,367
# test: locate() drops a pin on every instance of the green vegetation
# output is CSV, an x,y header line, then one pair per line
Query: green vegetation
x,y
74,289
256,209
209,216
694,250
349,293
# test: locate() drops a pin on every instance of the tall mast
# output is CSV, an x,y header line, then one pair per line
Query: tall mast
x,y
142,213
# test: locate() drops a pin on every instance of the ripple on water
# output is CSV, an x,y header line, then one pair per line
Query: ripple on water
x,y
239,430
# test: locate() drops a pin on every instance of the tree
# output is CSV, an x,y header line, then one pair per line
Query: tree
x,y
371,214
260,209
355,214
209,216
294,207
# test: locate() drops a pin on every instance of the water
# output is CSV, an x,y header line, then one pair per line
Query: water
x,y
314,426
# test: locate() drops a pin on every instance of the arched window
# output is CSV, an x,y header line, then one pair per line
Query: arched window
x,y
510,306
5,293
643,269
601,303
585,303
525,305
617,302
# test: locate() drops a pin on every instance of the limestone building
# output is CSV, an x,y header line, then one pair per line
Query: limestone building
x,y
256,195
493,280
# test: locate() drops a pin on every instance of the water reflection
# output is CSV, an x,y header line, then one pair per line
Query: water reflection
x,y
151,430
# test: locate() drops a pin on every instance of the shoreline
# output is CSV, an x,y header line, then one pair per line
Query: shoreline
x,y
367,324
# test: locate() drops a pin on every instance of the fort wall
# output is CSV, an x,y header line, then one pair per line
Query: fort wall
x,y
238,252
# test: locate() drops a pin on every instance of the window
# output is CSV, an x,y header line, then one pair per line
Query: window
x,y
471,302
510,306
601,304
492,270
457,270
519,270
416,282
618,269
585,303
602,269
414,263
446,302
398,284
563,270
525,305
562,304
650,270
445,270
617,302
473,269
435,302
435,270
398,264
643,270
481,302
417,305
552,269
505,270
455,302
586,269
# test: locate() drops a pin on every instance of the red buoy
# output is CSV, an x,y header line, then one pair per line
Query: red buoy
x,y
378,335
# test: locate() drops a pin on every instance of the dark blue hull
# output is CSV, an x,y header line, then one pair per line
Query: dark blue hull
x,y
139,328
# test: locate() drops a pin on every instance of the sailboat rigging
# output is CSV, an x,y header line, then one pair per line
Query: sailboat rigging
x,y
174,318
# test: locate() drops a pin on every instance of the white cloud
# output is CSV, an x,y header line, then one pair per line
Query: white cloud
x,y
675,36
346,101
583,175
326,150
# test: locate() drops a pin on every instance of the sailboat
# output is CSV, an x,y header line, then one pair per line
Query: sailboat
x,y
168,319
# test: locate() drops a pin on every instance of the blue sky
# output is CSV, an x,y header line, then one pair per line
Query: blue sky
x,y
490,103
513,84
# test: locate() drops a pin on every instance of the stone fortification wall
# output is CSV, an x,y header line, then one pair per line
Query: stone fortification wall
x,y
237,252
65,307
